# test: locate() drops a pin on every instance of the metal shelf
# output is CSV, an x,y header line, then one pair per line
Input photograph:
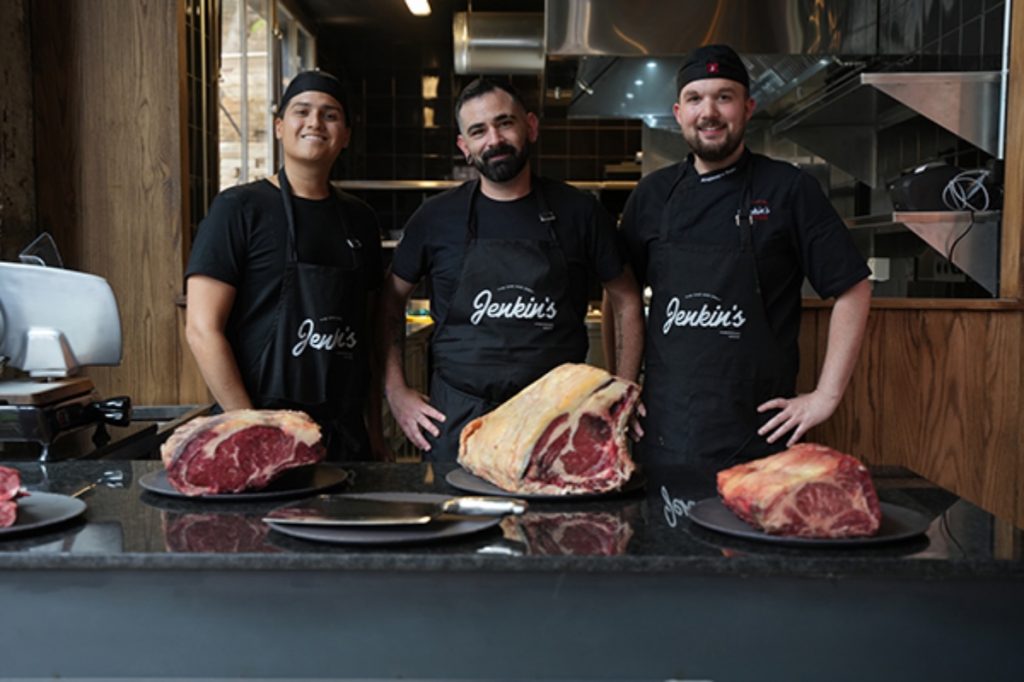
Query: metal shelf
x,y
431,185
974,247
968,240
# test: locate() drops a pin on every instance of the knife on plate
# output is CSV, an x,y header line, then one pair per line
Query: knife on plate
x,y
351,510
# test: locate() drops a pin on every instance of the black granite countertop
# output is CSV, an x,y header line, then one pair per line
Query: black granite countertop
x,y
127,527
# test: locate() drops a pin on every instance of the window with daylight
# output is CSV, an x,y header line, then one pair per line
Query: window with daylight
x,y
297,46
246,92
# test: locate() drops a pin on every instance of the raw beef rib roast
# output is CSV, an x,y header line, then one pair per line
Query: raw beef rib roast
x,y
10,490
564,433
239,450
806,491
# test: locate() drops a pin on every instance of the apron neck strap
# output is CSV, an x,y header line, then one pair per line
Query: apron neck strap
x,y
743,220
289,213
544,213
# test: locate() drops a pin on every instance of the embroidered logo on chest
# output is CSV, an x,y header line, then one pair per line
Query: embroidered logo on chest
x,y
760,210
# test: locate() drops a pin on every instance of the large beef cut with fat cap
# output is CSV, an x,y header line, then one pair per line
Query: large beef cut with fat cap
x,y
806,491
565,433
239,450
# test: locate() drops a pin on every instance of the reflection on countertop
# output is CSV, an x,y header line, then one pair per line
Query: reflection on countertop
x,y
127,527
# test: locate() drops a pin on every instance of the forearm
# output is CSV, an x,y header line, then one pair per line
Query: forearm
x,y
372,409
391,342
625,335
845,335
219,368
629,337
608,343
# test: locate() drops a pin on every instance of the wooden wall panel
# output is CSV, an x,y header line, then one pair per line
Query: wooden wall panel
x,y
17,167
1010,284
110,158
936,391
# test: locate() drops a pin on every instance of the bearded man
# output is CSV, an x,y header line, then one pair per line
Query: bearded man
x,y
510,259
725,239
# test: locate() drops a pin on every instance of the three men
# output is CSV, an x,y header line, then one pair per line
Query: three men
x,y
281,282
509,258
725,239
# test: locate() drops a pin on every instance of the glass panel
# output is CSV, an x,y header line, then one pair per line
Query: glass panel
x,y
305,50
258,87
230,119
290,64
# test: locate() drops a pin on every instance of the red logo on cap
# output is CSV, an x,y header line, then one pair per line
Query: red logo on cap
x,y
712,67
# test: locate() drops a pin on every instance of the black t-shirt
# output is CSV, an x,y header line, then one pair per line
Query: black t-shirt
x,y
796,231
243,242
435,237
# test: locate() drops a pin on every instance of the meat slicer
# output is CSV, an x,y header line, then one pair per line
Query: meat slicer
x,y
54,322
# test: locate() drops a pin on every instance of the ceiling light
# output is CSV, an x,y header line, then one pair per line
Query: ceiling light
x,y
420,8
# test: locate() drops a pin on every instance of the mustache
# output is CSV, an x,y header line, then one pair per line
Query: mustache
x,y
498,151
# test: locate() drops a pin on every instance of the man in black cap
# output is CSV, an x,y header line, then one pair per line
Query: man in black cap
x,y
511,258
725,239
282,278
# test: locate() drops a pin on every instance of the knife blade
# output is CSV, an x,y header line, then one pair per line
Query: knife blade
x,y
363,510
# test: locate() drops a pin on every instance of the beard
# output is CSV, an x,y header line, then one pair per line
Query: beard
x,y
505,169
713,152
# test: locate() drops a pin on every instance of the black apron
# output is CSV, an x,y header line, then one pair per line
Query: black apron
x,y
511,320
314,360
711,355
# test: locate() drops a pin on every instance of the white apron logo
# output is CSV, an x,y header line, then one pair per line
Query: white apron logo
x,y
342,338
706,316
521,308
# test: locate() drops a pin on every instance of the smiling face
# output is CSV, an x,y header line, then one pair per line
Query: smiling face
x,y
713,115
496,134
313,129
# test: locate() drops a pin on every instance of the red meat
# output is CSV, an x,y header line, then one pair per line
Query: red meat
x,y
239,450
806,491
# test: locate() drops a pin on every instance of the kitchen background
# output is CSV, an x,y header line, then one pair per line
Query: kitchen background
x,y
401,72
110,135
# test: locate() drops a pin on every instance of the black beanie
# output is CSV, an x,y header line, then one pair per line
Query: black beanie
x,y
712,61
320,81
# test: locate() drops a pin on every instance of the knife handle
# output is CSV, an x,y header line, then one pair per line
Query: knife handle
x,y
484,506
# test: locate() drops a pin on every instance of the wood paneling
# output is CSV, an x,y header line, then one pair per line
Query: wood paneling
x,y
17,168
1013,192
939,393
110,187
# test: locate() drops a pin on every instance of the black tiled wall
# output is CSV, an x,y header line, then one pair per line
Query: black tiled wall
x,y
389,138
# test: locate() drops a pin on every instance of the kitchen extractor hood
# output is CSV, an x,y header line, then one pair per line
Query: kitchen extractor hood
x,y
655,28
644,88
498,42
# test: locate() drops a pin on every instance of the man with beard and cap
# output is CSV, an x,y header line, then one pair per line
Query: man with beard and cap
x,y
282,278
510,259
725,239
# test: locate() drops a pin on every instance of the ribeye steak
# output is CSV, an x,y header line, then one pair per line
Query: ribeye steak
x,y
239,450
806,491
565,433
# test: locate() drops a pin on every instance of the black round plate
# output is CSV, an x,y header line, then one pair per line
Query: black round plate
x,y
898,523
465,481
390,535
305,480
39,510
